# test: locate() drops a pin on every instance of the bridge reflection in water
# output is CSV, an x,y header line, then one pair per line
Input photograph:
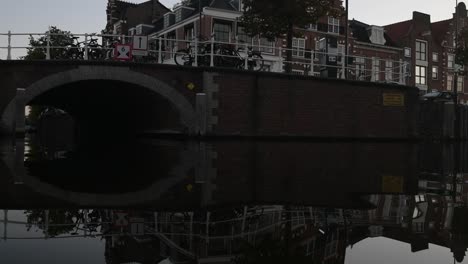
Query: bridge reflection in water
x,y
236,202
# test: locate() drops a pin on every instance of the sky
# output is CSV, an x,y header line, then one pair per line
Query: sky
x,y
88,16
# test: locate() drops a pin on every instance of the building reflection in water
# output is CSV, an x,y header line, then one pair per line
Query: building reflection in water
x,y
258,234
254,202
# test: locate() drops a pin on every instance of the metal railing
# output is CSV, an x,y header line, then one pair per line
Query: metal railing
x,y
211,53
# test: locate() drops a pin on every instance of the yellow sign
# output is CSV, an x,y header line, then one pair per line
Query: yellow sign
x,y
191,86
393,99
392,184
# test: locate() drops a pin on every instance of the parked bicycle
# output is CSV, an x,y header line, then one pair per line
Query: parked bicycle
x,y
95,50
229,56
225,55
74,50
186,57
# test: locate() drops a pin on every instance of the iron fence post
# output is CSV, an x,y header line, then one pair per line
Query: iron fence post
x,y
86,47
312,62
48,45
196,52
160,50
246,66
212,52
343,66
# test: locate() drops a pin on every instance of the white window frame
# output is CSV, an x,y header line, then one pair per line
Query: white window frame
x,y
360,63
389,70
421,54
223,23
460,83
450,82
407,52
298,46
450,61
420,77
435,72
376,69
312,26
333,25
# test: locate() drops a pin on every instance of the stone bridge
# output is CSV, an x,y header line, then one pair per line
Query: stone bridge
x,y
110,97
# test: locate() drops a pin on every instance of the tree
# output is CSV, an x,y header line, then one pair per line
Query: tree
x,y
276,18
37,51
58,38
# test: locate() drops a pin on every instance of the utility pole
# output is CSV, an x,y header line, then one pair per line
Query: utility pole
x,y
200,31
457,136
455,76
346,40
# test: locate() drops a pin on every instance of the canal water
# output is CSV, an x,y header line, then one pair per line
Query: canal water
x,y
174,201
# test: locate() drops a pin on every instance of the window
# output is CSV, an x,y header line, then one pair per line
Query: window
x,y
408,52
266,45
450,61
333,25
312,27
222,32
178,15
189,33
420,75
449,82
435,72
376,69
263,44
460,84
298,47
421,48
435,57
420,198
388,70
360,68
242,37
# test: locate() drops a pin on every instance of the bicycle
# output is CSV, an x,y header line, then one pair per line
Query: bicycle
x,y
231,57
224,56
186,57
95,50
74,51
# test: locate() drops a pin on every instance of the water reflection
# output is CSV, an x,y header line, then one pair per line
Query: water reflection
x,y
254,234
161,201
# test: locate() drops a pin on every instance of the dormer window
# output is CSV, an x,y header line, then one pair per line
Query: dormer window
x,y
169,19
182,12
178,15
376,35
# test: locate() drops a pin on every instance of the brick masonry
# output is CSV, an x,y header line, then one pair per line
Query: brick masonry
x,y
241,103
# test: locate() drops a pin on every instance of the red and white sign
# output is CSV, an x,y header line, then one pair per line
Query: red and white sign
x,y
140,46
123,52
120,219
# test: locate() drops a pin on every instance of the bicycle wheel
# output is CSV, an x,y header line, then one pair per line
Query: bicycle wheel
x,y
183,58
256,63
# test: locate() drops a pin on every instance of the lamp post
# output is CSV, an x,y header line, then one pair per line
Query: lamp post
x,y
346,40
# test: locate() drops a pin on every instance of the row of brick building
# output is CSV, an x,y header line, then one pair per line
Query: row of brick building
x,y
414,52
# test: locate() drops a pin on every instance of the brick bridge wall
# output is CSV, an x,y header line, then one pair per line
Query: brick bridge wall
x,y
238,103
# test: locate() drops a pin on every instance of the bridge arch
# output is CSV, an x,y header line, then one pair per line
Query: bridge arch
x,y
110,73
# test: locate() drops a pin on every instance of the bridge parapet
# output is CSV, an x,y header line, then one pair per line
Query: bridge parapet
x,y
210,53
236,102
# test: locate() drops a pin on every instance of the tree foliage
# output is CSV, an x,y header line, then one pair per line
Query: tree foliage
x,y
58,38
276,18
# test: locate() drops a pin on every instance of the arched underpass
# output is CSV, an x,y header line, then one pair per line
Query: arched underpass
x,y
109,109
